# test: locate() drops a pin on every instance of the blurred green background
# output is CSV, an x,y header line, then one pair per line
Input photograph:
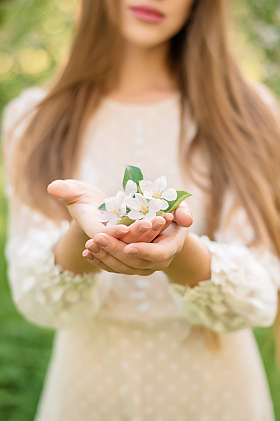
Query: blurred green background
x,y
34,38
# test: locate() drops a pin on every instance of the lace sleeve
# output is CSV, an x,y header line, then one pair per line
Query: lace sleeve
x,y
43,292
242,291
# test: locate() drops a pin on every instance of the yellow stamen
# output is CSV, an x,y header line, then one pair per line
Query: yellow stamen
x,y
144,209
157,194
116,211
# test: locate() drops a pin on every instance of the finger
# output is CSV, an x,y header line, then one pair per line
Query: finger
x,y
69,191
158,223
183,216
145,231
114,248
168,220
136,231
107,262
116,230
163,248
96,262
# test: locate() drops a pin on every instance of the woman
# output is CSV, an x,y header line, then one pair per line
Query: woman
x,y
152,321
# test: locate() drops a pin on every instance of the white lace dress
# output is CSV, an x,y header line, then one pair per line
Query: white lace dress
x,y
130,348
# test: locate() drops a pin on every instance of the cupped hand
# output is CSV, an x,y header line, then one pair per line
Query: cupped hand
x,y
83,200
139,258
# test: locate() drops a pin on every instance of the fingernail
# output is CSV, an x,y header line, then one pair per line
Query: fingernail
x,y
133,250
88,255
169,216
102,241
190,216
143,229
89,243
157,226
94,248
121,232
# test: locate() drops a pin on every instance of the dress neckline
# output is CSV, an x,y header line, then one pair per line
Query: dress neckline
x,y
118,104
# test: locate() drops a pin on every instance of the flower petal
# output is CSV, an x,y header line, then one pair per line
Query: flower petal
x,y
113,221
147,194
141,200
123,209
120,198
133,214
164,204
169,194
110,203
132,204
130,188
161,183
105,217
147,186
150,215
155,205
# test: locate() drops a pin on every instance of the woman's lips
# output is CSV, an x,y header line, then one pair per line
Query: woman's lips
x,y
147,14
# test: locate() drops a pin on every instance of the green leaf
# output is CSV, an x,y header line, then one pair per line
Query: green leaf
x,y
125,220
181,195
102,207
132,173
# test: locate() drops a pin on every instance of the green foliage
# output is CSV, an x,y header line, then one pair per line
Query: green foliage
x,y
125,220
181,195
24,353
265,339
34,37
102,207
132,173
260,24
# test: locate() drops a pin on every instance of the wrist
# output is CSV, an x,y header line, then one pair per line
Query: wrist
x,y
192,264
77,232
68,250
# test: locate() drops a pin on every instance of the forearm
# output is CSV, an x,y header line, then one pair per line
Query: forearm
x,y
68,251
192,264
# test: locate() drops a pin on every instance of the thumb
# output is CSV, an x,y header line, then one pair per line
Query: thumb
x,y
66,190
183,216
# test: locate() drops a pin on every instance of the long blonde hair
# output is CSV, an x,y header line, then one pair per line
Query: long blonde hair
x,y
233,122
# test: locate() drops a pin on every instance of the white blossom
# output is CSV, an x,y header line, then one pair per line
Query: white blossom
x,y
143,209
158,190
115,209
130,188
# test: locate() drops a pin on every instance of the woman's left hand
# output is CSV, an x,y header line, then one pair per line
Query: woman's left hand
x,y
113,255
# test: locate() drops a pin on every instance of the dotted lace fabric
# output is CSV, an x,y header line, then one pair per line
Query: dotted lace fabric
x,y
130,348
